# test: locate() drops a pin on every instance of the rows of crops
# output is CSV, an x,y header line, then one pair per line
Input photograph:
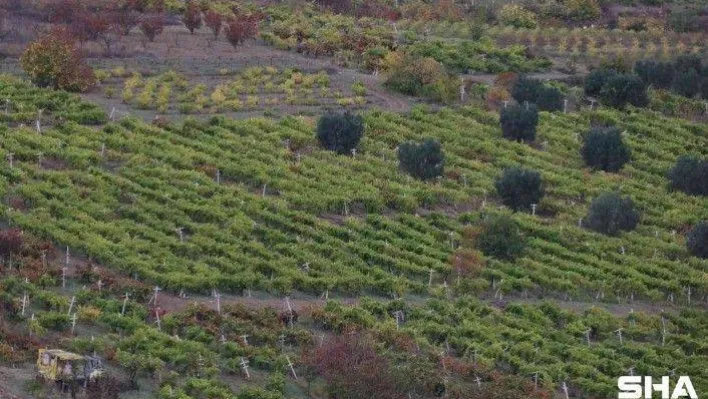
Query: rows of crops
x,y
22,102
237,205
202,345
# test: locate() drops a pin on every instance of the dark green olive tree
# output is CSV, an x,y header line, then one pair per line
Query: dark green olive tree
x,y
697,240
611,213
518,122
604,149
340,132
500,238
424,160
519,188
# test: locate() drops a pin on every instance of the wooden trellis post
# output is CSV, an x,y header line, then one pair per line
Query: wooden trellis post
x,y
663,330
619,334
71,305
180,232
38,123
125,302
565,390
157,318
11,159
24,303
244,367
399,318
535,380
533,209
73,323
587,335
66,261
154,297
63,277
290,365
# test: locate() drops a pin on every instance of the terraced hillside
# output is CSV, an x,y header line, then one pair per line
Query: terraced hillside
x,y
266,222
257,205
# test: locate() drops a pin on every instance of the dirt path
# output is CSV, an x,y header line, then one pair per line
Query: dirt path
x,y
11,380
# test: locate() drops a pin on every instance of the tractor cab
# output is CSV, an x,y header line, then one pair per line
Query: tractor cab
x,y
62,366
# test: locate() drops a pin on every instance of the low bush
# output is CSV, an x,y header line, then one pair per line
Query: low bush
x,y
690,175
697,240
610,213
340,132
422,160
623,89
518,122
500,238
519,188
604,149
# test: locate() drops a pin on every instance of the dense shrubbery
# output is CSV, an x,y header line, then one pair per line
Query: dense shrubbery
x,y
340,132
480,55
604,149
547,98
690,175
610,213
684,76
597,79
422,160
583,10
697,240
519,188
655,73
53,61
623,89
518,122
192,17
424,77
500,238
517,16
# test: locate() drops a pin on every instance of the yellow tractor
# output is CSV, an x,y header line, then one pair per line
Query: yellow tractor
x,y
66,368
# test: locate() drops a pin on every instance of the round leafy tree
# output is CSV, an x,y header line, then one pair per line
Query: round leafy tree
x,y
340,132
549,99
658,74
518,122
422,160
697,240
604,149
192,17
526,89
686,83
596,79
500,238
690,175
623,89
519,188
53,61
610,213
